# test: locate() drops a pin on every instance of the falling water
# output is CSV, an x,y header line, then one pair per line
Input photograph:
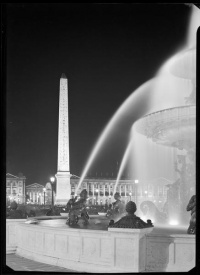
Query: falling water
x,y
148,160
123,163
136,104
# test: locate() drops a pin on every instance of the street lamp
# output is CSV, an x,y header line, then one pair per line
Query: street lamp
x,y
9,200
130,195
44,189
136,182
109,199
52,179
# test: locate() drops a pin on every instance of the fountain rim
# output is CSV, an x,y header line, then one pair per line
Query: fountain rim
x,y
163,110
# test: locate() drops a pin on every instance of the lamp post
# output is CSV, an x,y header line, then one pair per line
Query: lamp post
x,y
44,189
9,200
130,195
110,199
52,179
136,182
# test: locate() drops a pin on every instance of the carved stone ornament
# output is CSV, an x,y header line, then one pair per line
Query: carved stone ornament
x,y
130,220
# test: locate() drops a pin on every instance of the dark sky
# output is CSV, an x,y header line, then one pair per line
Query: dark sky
x,y
105,50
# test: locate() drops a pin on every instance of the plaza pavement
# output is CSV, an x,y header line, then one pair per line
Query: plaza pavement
x,y
18,263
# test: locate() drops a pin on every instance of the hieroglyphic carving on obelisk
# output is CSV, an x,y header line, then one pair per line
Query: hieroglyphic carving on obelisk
x,y
63,188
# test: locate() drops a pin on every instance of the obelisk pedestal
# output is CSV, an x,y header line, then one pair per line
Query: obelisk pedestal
x,y
63,190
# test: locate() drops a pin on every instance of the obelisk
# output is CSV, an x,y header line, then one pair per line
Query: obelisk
x,y
63,187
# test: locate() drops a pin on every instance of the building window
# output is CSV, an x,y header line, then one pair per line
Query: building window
x,y
14,183
8,183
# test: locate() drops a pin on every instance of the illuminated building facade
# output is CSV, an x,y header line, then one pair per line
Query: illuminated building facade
x,y
37,193
101,191
15,188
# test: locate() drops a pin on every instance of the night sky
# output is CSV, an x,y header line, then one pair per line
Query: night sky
x,y
105,50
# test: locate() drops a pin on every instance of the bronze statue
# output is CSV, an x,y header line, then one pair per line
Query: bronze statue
x,y
77,208
130,220
192,207
117,208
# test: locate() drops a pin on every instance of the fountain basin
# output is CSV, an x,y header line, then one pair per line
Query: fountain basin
x,y
111,251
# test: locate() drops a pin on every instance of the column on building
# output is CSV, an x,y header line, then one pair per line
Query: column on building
x,y
33,196
98,186
87,187
11,189
93,192
120,190
125,190
24,191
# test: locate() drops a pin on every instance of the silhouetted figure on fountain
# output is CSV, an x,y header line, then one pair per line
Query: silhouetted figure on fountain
x,y
117,209
70,203
109,211
118,205
130,220
77,208
192,207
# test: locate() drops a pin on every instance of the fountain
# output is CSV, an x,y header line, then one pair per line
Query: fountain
x,y
176,128
129,244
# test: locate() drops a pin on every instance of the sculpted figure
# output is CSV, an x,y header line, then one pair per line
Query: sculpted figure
x,y
117,208
192,207
77,208
130,220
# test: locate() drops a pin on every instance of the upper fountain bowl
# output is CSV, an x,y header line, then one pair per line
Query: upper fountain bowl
x,y
184,64
175,127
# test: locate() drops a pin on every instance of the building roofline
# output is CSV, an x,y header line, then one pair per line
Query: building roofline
x,y
13,176
33,184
